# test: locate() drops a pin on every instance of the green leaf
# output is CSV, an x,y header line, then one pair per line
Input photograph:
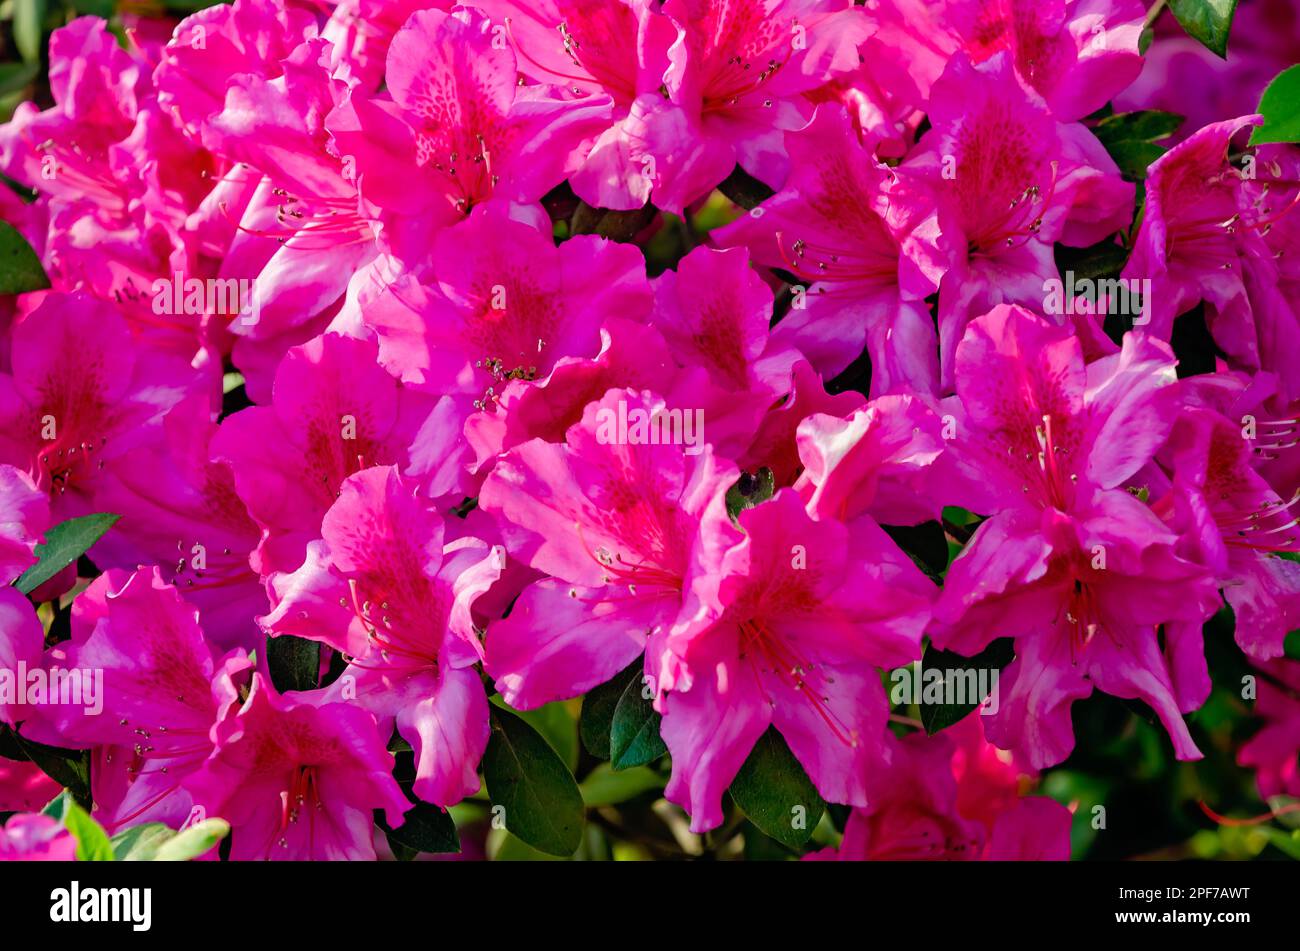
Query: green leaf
x,y
605,786
1130,138
541,801
426,828
92,841
634,738
193,841
294,662
939,716
744,189
20,268
29,19
140,843
598,710
749,490
15,76
1280,107
64,544
68,768
554,722
1206,21
776,794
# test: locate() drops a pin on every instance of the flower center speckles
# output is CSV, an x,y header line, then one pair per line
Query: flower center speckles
x,y
67,461
778,655
395,644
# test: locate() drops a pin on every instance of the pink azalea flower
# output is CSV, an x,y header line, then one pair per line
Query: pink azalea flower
x,y
334,412
776,440
1076,54
222,43
1238,526
455,129
953,802
296,779
160,695
632,354
31,837
594,49
786,626
180,511
1274,751
24,788
864,247
383,588
1074,567
21,640
714,313
504,304
24,516
1203,239
876,461
612,522
1011,180
736,83
80,396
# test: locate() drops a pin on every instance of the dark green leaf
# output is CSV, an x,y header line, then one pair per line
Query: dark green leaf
x,y
542,804
615,225
14,76
1207,21
749,490
294,662
68,768
1280,107
775,792
634,733
744,189
64,544
938,716
425,829
598,710
1130,138
20,268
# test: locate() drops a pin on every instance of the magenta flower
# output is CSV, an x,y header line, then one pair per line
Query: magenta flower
x,y
80,396
334,412
457,129
503,304
31,837
786,626
737,81
1236,525
1203,238
1074,567
596,50
180,511
865,248
1076,54
954,802
613,523
297,780
1274,751
1010,179
382,588
160,696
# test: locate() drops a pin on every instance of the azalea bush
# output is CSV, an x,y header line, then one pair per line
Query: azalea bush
x,y
650,429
